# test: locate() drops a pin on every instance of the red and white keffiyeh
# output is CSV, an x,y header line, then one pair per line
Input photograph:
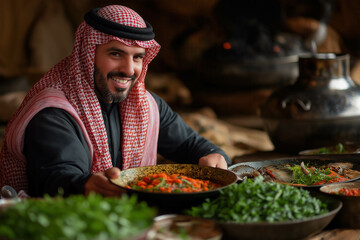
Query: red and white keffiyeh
x,y
70,85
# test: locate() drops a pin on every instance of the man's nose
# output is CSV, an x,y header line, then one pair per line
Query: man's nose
x,y
127,67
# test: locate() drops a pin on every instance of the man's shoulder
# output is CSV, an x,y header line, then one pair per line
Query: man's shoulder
x,y
52,114
52,111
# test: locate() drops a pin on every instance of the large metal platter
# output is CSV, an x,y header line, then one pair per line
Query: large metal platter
x,y
174,202
311,161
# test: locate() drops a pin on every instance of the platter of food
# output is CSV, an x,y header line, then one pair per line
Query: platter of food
x,y
255,209
338,149
175,186
299,171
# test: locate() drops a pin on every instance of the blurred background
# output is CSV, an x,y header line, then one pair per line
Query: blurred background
x,y
219,61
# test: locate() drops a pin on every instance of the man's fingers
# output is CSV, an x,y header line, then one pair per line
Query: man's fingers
x,y
112,173
100,183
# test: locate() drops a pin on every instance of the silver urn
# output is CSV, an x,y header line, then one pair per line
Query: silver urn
x,y
322,108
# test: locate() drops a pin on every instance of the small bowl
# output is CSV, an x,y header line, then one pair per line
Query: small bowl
x,y
349,215
8,202
177,226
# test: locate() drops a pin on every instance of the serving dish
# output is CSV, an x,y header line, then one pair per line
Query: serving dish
x,y
179,226
6,202
246,168
175,202
349,215
286,230
338,150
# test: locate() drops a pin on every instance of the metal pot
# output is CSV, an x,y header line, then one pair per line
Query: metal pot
x,y
322,108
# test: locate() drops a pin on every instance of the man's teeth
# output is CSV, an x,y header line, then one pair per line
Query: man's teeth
x,y
120,80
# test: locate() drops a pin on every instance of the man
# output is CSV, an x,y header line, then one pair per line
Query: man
x,y
91,116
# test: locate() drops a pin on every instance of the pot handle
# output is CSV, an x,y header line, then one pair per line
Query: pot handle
x,y
305,105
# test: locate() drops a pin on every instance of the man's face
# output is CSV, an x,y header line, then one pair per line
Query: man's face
x,y
117,68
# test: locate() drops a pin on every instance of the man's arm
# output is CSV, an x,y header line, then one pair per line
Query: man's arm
x,y
179,142
57,154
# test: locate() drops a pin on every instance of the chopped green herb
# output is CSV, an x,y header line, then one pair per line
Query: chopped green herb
x,y
258,201
76,217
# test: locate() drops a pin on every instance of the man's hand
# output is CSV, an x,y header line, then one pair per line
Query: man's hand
x,y
213,160
99,183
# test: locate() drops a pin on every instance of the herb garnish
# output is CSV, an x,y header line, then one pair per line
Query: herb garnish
x,y
76,217
339,148
316,175
258,201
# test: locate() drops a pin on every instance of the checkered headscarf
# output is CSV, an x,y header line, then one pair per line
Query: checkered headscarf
x,y
74,77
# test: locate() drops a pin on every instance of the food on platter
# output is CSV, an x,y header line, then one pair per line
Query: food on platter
x,y
349,195
257,210
336,149
348,192
174,183
259,201
76,217
301,174
310,175
175,201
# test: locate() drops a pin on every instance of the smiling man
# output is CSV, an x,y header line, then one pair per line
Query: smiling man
x,y
90,116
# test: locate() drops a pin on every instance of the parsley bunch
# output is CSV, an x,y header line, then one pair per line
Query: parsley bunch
x,y
258,201
76,217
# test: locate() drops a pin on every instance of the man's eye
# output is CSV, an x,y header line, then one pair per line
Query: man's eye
x,y
114,54
141,57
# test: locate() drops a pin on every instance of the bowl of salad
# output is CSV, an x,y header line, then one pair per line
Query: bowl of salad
x,y
256,209
172,187
349,194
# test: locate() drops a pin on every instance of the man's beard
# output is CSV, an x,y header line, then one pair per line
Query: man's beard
x,y
103,89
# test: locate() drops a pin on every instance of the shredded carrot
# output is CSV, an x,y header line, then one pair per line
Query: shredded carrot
x,y
174,183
